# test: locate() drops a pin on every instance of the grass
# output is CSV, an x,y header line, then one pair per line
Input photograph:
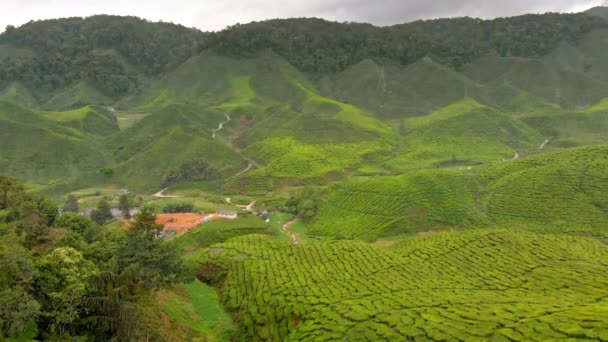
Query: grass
x,y
194,313
470,285
214,232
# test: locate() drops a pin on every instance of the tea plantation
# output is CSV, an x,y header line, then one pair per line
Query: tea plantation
x,y
499,285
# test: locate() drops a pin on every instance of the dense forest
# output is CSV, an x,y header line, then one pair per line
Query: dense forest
x,y
319,46
115,53
66,275
108,51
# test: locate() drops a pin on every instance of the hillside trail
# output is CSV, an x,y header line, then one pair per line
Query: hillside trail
x,y
543,144
293,236
515,157
248,207
240,173
221,126
160,194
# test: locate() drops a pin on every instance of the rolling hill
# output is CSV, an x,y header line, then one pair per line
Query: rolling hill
x,y
441,179
474,285
560,190
45,147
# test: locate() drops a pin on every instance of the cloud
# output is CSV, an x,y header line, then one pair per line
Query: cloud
x,y
217,14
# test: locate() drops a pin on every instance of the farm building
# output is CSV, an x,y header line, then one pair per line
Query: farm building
x,y
227,214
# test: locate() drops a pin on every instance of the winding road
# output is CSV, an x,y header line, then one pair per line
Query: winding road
x,y
221,126
160,194
240,173
248,207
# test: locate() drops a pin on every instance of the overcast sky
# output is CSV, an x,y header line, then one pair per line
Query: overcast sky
x,y
217,14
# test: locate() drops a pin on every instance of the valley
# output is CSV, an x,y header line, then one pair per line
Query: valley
x,y
365,185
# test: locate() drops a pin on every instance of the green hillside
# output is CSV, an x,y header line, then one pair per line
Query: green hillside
x,y
463,133
473,285
368,208
567,188
562,190
37,149
171,141
396,92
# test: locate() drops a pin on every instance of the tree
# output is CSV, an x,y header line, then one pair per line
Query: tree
x,y
18,308
158,263
102,214
71,205
74,222
62,284
115,304
124,206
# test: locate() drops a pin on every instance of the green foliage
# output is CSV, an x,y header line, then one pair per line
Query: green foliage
x,y
194,310
194,170
219,231
71,204
99,50
157,263
182,207
62,284
471,285
124,206
102,214
304,203
18,307
75,222
322,47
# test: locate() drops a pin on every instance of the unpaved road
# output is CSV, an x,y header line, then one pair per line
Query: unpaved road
x,y
543,144
240,173
293,236
221,126
515,157
248,207
160,194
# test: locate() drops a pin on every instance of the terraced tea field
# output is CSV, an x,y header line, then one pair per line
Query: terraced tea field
x,y
365,208
561,190
475,285
564,187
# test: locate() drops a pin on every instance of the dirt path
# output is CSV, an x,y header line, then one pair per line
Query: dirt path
x,y
543,144
221,126
240,173
515,157
248,207
293,236
160,194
